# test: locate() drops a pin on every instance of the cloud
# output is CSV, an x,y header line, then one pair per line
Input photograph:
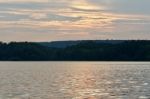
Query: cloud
x,y
125,6
38,16
39,20
16,1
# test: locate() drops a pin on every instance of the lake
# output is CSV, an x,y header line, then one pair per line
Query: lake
x,y
74,80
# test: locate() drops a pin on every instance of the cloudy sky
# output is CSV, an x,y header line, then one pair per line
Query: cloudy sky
x,y
51,20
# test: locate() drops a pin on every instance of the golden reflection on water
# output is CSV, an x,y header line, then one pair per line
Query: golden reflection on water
x,y
75,80
81,82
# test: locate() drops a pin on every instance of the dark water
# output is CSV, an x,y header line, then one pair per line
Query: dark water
x,y
74,80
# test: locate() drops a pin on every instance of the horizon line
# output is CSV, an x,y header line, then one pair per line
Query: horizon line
x,y
79,40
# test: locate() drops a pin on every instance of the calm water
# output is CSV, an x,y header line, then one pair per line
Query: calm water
x,y
74,80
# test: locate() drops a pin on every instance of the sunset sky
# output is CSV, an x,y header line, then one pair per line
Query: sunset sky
x,y
52,20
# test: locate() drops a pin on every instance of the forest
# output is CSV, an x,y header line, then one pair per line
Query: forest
x,y
129,50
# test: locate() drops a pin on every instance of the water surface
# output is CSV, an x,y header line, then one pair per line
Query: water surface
x,y
74,80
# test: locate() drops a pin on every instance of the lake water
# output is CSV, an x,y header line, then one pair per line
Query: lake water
x,y
74,80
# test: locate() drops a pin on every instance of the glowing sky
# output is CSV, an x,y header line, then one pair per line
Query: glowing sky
x,y
48,20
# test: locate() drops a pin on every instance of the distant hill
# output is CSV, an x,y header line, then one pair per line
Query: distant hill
x,y
64,44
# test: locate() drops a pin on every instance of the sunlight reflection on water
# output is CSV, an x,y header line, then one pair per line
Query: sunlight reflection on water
x,y
74,80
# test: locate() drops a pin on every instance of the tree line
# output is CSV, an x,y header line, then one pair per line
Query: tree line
x,y
84,51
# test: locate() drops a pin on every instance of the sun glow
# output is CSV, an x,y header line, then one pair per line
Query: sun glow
x,y
84,5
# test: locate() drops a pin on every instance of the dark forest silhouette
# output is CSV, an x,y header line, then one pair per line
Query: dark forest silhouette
x,y
82,51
